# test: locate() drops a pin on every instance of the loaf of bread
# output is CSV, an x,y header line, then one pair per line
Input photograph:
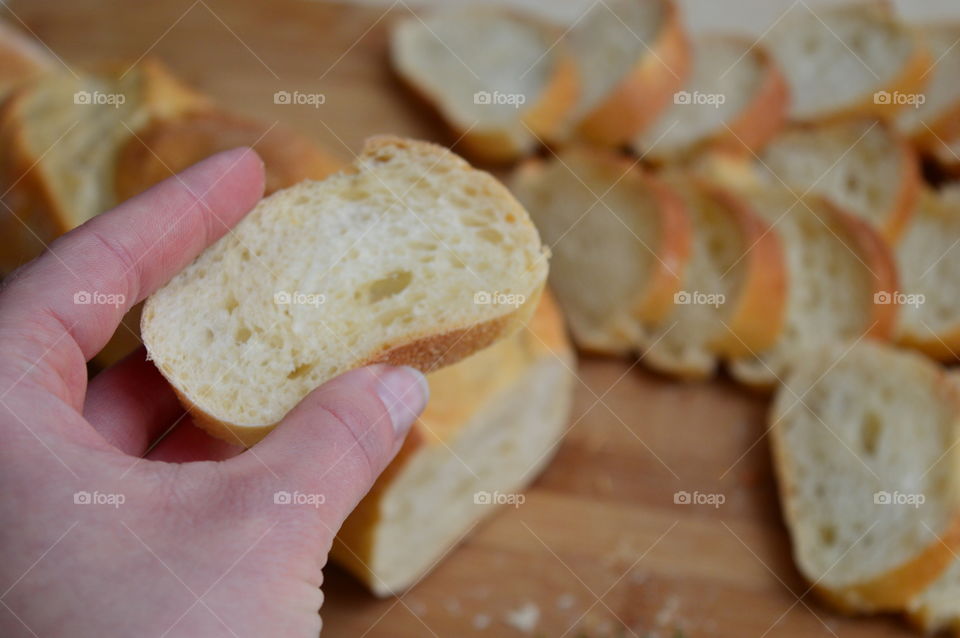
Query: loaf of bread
x,y
631,58
848,59
620,241
864,441
735,100
410,257
733,294
501,80
493,422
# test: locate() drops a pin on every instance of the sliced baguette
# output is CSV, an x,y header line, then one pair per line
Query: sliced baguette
x,y
842,60
937,120
632,57
734,286
928,259
411,257
166,147
836,268
494,75
735,99
620,241
858,435
59,145
493,421
862,165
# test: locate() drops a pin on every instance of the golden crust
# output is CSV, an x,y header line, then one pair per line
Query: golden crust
x,y
676,240
21,58
646,91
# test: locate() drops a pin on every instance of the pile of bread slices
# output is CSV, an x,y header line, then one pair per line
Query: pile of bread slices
x,y
782,208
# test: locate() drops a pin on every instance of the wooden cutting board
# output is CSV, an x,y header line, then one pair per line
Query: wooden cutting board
x,y
599,548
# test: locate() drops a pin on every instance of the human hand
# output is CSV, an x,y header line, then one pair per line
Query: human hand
x,y
187,541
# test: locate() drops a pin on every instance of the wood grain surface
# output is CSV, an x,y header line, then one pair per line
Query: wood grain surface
x,y
599,548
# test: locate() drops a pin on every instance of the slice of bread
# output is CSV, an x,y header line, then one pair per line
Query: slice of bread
x,y
620,241
493,422
499,79
928,259
59,139
21,58
864,442
735,99
837,267
165,147
632,57
410,258
937,119
862,165
851,59
733,295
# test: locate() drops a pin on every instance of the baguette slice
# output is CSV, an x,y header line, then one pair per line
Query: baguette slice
x,y
937,608
632,57
736,99
620,241
844,60
493,421
837,267
734,287
21,58
411,257
863,166
928,258
166,147
858,435
937,119
495,76
58,148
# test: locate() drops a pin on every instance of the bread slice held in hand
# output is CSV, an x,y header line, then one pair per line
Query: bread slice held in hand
x,y
499,79
735,99
864,442
862,165
854,59
733,293
631,57
928,260
838,270
494,420
411,257
620,241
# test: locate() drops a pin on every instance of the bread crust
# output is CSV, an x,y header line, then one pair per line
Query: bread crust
x,y
21,58
894,589
640,97
760,313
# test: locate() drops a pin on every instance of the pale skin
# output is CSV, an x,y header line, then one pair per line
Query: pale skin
x,y
198,546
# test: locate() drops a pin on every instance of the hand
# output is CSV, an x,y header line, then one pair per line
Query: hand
x,y
97,539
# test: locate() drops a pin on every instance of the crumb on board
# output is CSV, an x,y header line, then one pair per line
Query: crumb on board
x,y
481,621
565,601
524,618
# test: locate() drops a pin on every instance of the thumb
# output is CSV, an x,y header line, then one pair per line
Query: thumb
x,y
339,439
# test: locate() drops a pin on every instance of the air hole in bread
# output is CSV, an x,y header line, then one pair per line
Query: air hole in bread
x,y
301,370
394,283
490,235
828,534
870,429
242,335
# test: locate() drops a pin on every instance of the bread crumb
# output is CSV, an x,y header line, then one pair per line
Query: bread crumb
x,y
481,621
525,618
666,613
418,608
452,605
565,601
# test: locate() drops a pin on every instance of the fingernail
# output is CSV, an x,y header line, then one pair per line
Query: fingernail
x,y
404,391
